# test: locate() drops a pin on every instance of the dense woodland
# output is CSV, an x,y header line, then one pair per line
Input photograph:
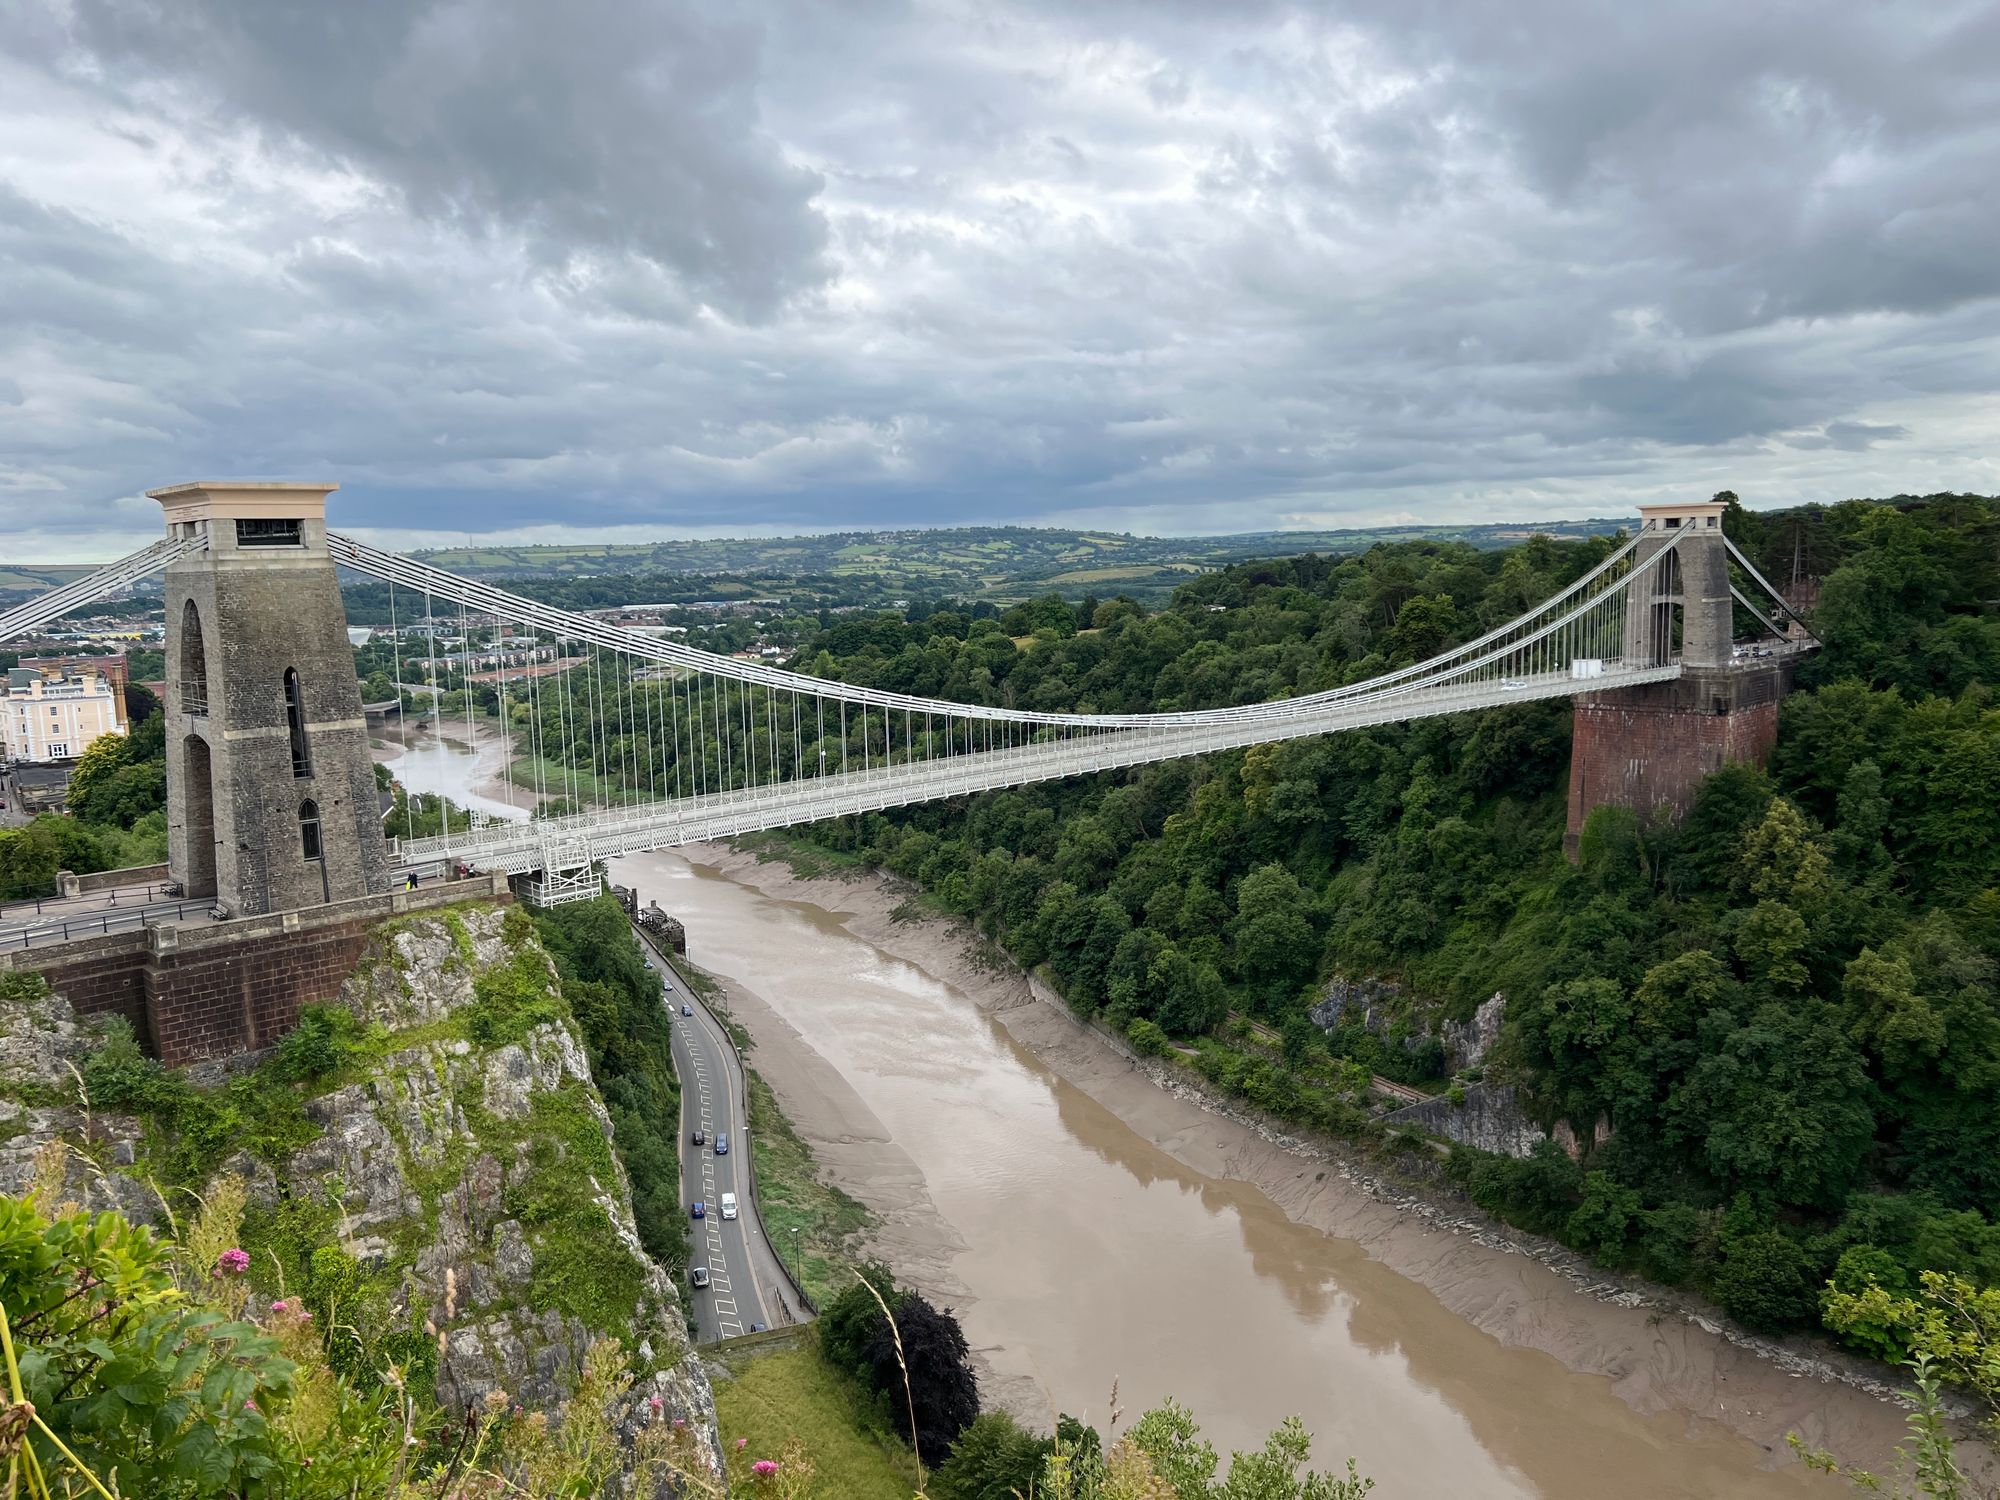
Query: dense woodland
x,y
1783,1010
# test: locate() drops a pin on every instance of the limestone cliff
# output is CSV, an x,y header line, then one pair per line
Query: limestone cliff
x,y
451,1182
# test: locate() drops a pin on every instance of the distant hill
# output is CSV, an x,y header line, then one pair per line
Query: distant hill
x,y
999,563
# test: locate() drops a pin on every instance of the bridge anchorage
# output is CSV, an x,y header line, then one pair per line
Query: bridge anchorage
x,y
272,804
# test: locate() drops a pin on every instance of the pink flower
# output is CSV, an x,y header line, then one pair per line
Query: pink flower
x,y
680,1421
741,1444
232,1263
654,1402
764,1468
278,1307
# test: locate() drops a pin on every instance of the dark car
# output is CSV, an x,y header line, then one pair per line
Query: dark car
x,y
700,1136
700,1209
699,1276
721,1143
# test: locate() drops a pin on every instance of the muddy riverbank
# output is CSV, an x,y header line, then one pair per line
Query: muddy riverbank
x,y
1395,1325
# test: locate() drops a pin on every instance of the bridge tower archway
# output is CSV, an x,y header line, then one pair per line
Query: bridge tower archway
x,y
196,830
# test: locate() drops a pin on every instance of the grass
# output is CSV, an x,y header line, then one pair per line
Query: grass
x,y
793,1196
559,780
808,861
795,1393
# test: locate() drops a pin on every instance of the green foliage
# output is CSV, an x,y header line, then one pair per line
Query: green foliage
x,y
1146,1038
191,1130
150,1392
616,1001
1793,993
995,1458
1765,1281
509,1000
848,1324
327,1040
30,856
1949,1322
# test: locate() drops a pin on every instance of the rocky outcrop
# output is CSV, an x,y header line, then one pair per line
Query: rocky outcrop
x,y
1466,1043
1375,1004
1385,1009
469,1172
42,1048
1487,1115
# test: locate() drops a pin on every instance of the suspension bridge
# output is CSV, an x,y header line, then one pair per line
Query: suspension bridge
x,y
271,792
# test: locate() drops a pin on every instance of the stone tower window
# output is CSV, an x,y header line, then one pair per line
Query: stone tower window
x,y
295,724
194,663
309,840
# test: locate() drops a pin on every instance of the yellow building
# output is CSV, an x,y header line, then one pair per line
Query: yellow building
x,y
54,715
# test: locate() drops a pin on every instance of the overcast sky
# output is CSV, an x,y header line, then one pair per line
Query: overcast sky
x,y
620,268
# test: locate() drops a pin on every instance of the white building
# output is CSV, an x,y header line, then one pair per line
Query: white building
x,y
55,716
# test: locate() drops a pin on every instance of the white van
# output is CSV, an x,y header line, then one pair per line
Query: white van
x,y
728,1205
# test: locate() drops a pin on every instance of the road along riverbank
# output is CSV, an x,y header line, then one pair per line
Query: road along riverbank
x,y
1089,1224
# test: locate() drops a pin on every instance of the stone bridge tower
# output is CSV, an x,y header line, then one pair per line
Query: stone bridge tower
x,y
1648,748
271,801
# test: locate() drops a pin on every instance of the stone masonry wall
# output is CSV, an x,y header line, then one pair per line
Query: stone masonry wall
x,y
1649,748
194,992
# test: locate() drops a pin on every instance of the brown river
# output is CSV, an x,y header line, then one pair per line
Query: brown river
x,y
1175,1255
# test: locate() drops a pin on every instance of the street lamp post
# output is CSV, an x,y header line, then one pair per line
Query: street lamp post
x,y
798,1265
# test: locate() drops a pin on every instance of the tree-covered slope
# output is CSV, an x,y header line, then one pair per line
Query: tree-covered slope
x,y
1782,1011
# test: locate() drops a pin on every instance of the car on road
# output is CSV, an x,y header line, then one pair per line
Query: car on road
x,y
699,1276
700,1209
721,1143
700,1136
728,1205
686,1009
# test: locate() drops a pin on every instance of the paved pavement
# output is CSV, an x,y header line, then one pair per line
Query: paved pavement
x,y
746,1285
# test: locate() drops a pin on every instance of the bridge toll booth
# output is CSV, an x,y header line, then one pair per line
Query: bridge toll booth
x,y
270,788
1649,747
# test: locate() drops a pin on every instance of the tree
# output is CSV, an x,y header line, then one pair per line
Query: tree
x,y
1274,943
928,1347
1764,1281
30,857
1781,1105
1950,1322
995,1458
848,1325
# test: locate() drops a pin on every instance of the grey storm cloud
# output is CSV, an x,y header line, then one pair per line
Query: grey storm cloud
x,y
507,266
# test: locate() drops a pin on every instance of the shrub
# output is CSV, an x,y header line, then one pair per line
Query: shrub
x,y
1764,1281
327,1039
1146,1037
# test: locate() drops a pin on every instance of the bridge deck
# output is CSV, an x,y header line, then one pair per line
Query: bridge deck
x,y
572,842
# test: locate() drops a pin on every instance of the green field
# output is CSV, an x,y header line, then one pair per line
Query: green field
x,y
791,1196
794,1393
1003,564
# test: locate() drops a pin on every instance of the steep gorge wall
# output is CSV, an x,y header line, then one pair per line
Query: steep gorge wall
x,y
465,1172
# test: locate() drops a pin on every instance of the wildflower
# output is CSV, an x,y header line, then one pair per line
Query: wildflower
x,y
249,1405
232,1263
654,1402
741,1444
764,1468
680,1421
280,1306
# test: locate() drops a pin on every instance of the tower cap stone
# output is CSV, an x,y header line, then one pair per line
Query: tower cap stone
x,y
243,499
1685,512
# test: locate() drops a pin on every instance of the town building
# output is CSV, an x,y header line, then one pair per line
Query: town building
x,y
53,714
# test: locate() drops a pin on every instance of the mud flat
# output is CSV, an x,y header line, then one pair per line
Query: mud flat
x,y
1090,1223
